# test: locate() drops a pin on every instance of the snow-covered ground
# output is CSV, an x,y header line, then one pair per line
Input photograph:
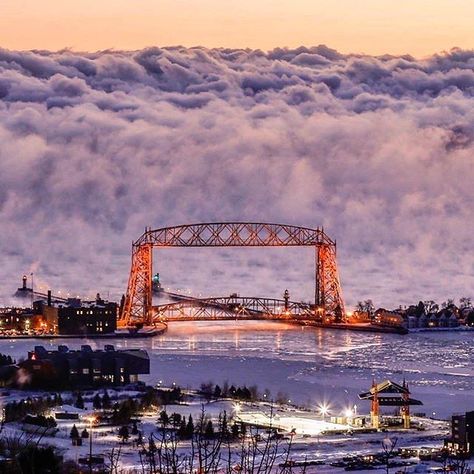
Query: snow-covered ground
x,y
309,443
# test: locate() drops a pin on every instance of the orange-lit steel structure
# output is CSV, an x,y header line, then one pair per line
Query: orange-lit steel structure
x,y
388,393
138,307
232,307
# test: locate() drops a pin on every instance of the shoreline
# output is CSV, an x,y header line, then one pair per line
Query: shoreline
x,y
115,335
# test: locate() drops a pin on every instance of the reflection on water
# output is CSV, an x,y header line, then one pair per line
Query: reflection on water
x,y
427,359
441,351
436,358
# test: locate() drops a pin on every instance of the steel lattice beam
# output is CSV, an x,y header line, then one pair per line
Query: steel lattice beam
x,y
232,307
328,294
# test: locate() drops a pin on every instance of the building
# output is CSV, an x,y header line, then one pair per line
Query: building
x,y
19,320
384,317
74,317
462,434
84,367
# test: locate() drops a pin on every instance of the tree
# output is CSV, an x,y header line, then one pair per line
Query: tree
x,y
235,430
175,419
388,447
97,402
106,403
164,419
74,432
190,427
209,430
448,303
366,306
217,392
224,426
85,433
35,459
79,402
124,433
430,306
207,390
465,302
182,429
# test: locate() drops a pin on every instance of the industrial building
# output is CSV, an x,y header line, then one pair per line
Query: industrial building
x,y
75,317
18,320
84,367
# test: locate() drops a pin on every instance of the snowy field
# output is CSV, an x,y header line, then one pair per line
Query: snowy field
x,y
308,365
308,442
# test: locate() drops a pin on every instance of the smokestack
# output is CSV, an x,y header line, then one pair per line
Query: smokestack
x,y
49,297
24,282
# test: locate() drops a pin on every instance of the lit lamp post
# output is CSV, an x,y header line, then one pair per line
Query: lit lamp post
x,y
91,420
349,414
323,410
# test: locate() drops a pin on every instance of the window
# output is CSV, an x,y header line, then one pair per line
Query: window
x,y
85,371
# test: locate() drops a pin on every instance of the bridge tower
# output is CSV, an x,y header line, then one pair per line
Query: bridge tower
x,y
138,301
328,298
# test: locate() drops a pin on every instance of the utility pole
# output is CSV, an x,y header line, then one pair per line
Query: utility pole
x,y
91,420
32,289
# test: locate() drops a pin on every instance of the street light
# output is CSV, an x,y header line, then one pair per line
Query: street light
x,y
323,410
349,414
91,420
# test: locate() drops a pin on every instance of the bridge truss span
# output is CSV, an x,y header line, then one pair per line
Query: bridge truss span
x,y
138,309
232,307
234,234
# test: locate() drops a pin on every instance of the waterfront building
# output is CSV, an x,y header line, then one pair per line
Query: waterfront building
x,y
75,317
384,317
19,320
462,434
84,367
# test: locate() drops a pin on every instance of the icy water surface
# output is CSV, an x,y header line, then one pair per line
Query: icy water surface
x,y
307,365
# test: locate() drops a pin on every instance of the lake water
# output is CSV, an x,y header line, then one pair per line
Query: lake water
x,y
307,365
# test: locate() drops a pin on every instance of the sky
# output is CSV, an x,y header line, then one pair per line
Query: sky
x,y
416,27
378,150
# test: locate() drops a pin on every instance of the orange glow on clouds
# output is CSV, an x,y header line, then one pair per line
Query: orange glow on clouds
x,y
417,27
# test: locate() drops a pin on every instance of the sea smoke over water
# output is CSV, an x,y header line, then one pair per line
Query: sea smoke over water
x,y
379,150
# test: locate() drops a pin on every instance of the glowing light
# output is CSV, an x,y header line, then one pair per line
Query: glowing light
x,y
348,413
91,419
323,409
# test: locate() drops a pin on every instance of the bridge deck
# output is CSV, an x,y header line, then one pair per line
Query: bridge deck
x,y
233,307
